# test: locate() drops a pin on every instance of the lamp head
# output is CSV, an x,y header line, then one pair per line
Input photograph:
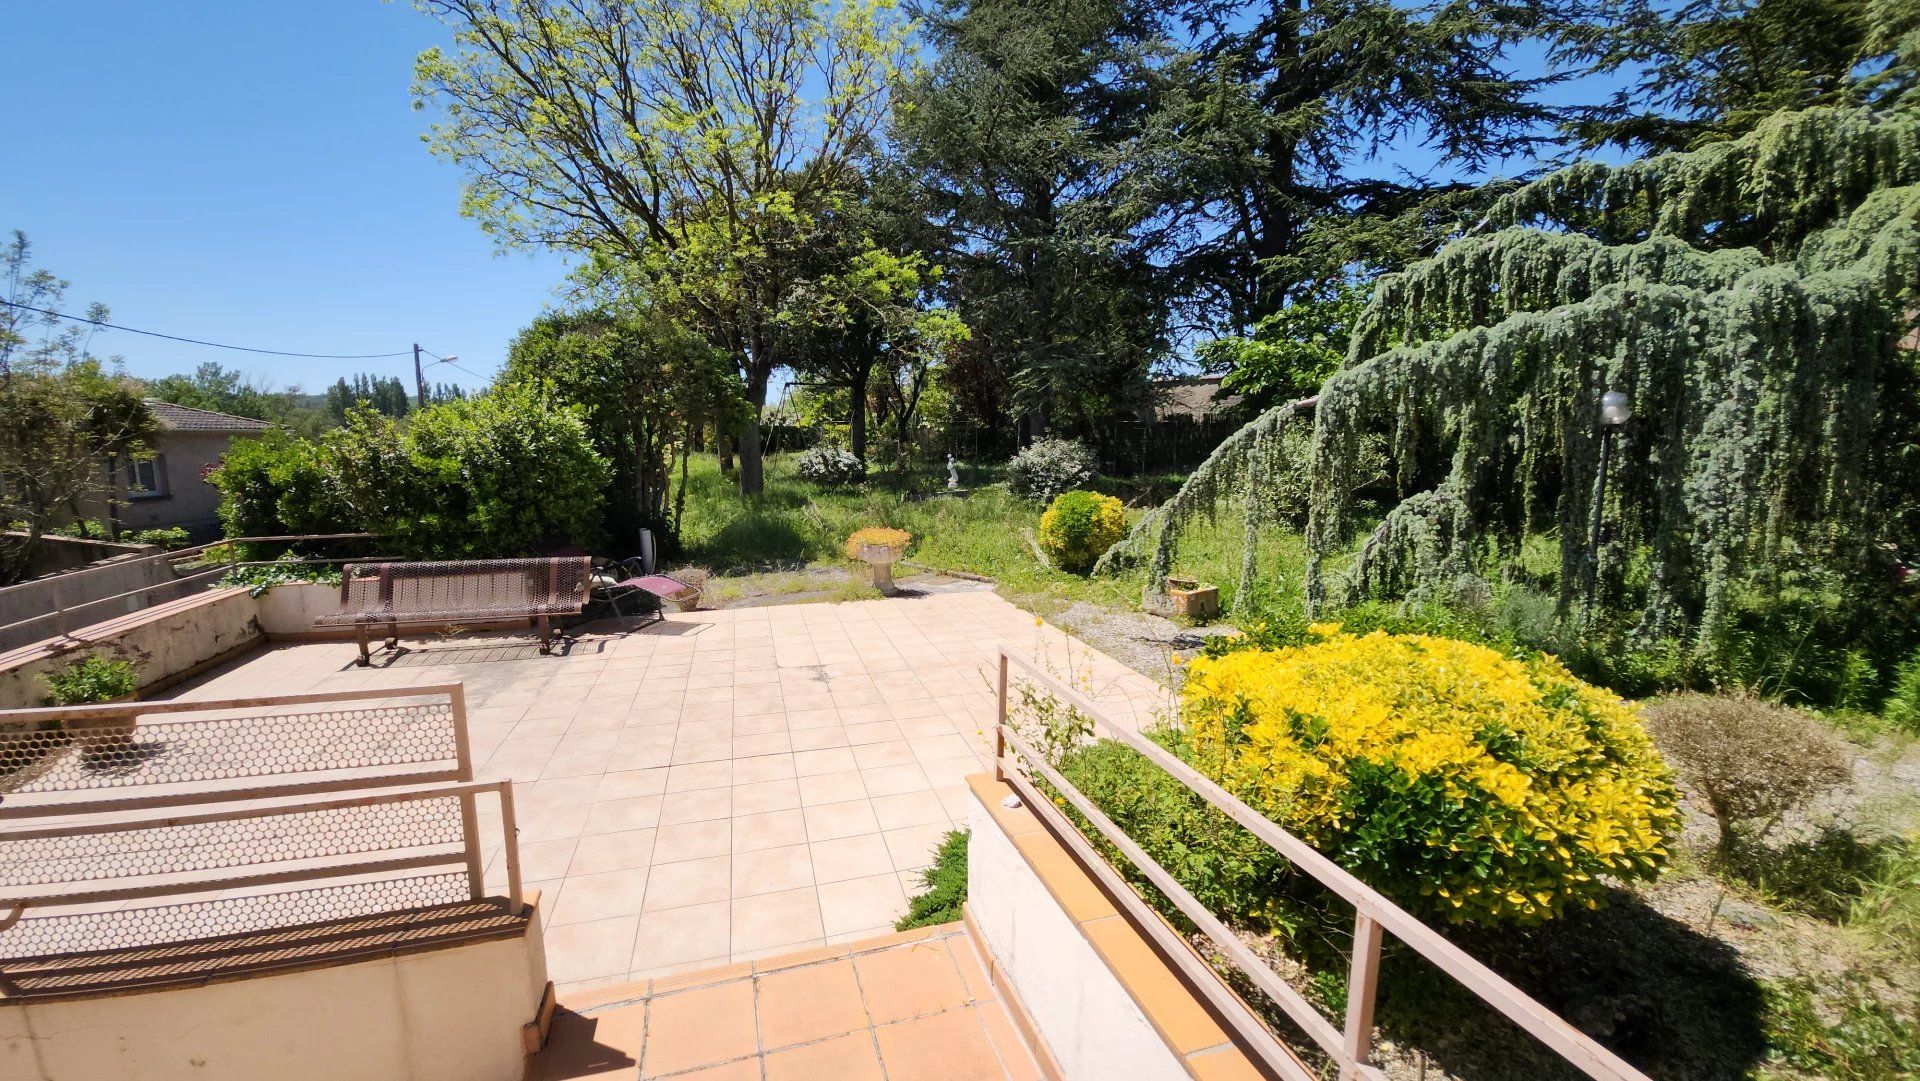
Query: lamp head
x,y
1614,409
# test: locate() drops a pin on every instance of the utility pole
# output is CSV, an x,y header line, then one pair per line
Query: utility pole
x,y
419,377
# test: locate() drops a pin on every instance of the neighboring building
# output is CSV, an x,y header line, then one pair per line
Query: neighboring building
x,y
170,488
1189,397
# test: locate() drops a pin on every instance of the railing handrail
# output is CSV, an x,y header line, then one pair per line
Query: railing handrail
x,y
1374,912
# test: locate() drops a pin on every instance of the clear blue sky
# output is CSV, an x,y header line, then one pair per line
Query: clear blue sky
x,y
250,171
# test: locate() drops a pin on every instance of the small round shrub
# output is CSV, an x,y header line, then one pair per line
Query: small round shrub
x,y
1079,527
1751,760
1052,466
93,678
831,466
1464,783
896,539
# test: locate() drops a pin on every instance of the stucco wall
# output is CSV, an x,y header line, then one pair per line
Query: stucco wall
x,y
1078,1007
65,602
167,642
189,501
448,1014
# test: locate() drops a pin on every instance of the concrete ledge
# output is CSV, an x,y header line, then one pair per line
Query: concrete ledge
x,y
170,642
1098,996
425,1007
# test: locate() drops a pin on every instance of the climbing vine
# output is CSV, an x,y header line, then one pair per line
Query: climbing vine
x,y
1749,299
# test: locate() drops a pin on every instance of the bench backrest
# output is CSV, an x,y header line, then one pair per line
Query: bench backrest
x,y
471,589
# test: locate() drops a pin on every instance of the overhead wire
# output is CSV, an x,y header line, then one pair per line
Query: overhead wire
x,y
208,344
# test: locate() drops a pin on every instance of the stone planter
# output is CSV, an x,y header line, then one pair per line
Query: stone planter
x,y
289,609
881,558
1189,598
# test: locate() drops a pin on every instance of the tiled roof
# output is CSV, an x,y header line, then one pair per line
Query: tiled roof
x,y
185,418
1192,397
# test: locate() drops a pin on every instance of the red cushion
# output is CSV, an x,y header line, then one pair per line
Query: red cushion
x,y
658,584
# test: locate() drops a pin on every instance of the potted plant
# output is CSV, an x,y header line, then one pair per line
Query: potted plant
x,y
695,579
879,548
1193,599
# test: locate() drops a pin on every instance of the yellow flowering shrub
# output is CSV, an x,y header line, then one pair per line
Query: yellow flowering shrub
x,y
1079,527
1461,782
896,539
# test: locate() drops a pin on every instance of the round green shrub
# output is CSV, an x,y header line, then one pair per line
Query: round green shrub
x,y
1051,466
1079,527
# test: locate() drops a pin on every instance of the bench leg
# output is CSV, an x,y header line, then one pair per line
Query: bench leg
x,y
360,633
546,635
393,636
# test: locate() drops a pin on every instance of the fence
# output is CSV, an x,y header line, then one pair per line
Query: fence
x,y
1348,1044
184,571
141,825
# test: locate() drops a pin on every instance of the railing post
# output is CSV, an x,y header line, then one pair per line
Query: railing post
x,y
510,850
1363,986
1000,725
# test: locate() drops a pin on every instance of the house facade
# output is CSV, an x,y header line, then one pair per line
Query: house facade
x,y
171,488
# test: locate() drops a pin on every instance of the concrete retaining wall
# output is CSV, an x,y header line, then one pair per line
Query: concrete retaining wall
x,y
168,642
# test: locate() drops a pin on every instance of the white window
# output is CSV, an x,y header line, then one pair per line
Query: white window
x,y
147,479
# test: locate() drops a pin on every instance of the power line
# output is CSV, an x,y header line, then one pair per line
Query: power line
x,y
210,345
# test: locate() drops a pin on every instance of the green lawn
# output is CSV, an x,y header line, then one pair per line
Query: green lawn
x,y
795,524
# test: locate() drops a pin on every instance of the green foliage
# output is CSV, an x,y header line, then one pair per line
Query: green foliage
x,y
261,579
223,390
1841,1031
1079,527
170,538
1903,704
95,677
1051,466
495,475
385,394
1229,870
829,466
1292,351
946,886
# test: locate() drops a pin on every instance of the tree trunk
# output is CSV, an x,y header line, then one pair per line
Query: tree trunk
x,y
857,377
753,478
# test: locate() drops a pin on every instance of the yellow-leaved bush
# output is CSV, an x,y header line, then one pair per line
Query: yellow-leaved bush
x,y
1463,783
1079,527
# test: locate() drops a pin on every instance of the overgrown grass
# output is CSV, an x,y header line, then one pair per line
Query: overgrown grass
x,y
946,887
795,524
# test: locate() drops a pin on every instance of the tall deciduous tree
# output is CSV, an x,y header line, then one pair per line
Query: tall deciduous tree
x,y
678,136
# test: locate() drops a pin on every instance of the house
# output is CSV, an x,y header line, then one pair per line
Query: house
x,y
170,488
1189,397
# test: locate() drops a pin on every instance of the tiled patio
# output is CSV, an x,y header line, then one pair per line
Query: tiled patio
x,y
914,1007
724,786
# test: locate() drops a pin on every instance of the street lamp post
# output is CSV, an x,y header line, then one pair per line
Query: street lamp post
x,y
1615,412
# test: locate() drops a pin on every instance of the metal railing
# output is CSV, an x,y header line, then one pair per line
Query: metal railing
x,y
71,608
1349,1044
215,818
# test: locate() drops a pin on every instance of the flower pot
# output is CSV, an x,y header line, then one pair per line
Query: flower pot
x,y
881,558
1189,598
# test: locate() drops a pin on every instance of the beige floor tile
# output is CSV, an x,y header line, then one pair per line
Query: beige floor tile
x,y
599,852
860,903
910,809
852,1057
833,820
831,788
702,1027
831,760
677,936
893,780
818,739
875,732
812,1002
771,829
775,795
631,783
696,806
692,841
697,776
621,815
586,898
771,870
579,951
859,856
546,859
875,755
693,882
775,919
744,1070
763,768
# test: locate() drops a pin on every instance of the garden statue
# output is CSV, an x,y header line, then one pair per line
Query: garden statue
x,y
953,475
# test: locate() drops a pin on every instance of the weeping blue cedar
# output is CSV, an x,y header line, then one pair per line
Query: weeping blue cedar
x,y
1749,297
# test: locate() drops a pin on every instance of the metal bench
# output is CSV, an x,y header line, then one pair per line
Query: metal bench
x,y
136,832
475,590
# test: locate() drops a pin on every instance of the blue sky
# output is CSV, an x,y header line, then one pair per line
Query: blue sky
x,y
250,171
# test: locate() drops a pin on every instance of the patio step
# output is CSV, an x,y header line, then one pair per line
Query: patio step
x,y
916,1001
